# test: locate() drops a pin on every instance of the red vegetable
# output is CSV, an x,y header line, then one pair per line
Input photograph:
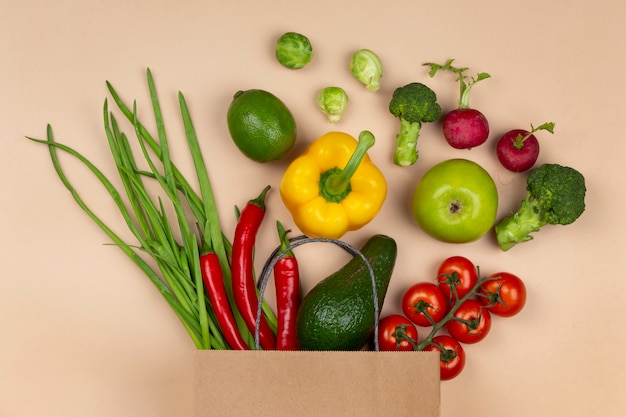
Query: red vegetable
x,y
214,284
288,295
518,149
471,322
451,356
463,127
504,296
244,287
457,275
424,304
396,332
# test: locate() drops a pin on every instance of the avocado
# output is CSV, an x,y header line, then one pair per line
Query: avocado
x,y
338,313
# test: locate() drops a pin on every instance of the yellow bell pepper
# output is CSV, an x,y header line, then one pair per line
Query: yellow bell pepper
x,y
334,187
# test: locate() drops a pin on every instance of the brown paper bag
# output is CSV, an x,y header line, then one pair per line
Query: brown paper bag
x,y
316,384
269,383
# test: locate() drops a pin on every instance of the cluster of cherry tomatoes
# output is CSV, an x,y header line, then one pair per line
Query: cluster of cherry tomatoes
x,y
457,307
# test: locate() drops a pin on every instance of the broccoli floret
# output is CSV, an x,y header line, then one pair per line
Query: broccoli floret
x,y
413,104
556,195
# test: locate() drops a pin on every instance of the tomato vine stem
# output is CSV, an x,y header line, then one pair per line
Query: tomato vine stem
x,y
450,316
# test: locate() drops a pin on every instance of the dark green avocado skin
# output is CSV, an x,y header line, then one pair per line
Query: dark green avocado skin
x,y
338,313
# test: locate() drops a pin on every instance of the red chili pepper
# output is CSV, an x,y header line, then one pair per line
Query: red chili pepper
x,y
244,287
287,282
214,283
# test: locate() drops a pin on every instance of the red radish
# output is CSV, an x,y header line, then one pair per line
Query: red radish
x,y
518,149
463,127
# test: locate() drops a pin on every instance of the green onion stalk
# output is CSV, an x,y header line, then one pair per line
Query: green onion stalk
x,y
176,272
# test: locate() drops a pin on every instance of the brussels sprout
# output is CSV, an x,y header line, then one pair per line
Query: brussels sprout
x,y
293,50
367,68
332,101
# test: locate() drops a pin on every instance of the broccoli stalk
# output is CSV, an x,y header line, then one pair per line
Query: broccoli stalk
x,y
413,104
556,195
406,143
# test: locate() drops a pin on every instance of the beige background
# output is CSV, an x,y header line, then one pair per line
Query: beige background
x,y
84,333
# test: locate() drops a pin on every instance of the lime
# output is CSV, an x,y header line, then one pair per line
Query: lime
x,y
261,125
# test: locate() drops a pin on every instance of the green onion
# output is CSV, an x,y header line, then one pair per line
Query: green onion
x,y
176,272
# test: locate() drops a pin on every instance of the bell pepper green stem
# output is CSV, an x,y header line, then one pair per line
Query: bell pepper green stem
x,y
335,183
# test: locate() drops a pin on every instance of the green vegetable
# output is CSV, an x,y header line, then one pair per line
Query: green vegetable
x,y
367,68
293,50
464,84
413,104
338,313
175,267
556,195
332,101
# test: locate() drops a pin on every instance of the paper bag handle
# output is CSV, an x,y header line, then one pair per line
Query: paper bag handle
x,y
298,241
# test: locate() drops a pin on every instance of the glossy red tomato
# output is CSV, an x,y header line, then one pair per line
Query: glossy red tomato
x,y
424,300
451,356
457,273
505,295
471,322
396,332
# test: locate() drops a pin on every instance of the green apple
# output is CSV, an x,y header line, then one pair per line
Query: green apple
x,y
456,201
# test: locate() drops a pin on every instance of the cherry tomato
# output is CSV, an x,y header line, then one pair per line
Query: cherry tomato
x,y
396,332
424,300
451,356
471,322
504,296
457,272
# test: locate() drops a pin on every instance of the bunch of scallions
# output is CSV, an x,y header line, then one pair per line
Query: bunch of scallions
x,y
173,244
